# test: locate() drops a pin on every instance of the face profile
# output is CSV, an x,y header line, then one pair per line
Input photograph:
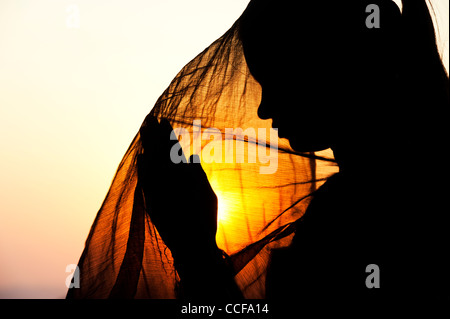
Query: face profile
x,y
321,75
300,87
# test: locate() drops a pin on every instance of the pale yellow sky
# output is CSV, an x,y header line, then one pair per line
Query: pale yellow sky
x,y
73,93
72,96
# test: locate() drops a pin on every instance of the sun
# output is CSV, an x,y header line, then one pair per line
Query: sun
x,y
222,214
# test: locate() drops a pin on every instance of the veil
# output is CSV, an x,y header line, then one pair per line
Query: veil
x,y
263,186
124,255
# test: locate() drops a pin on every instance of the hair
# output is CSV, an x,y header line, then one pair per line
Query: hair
x,y
425,82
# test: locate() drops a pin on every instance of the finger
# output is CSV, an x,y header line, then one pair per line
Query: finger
x,y
146,172
194,159
151,140
197,174
152,182
170,141
142,166
149,134
149,128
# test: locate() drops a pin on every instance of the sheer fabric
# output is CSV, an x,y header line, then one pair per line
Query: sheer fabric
x,y
124,256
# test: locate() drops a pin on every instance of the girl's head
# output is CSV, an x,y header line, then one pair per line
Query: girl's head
x,y
329,76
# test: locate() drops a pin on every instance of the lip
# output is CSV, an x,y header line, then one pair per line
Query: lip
x,y
275,126
274,123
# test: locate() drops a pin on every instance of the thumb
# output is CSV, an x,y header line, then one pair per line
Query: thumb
x,y
194,159
195,167
197,173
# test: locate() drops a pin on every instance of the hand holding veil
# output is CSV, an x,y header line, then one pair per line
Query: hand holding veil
x,y
181,202
183,207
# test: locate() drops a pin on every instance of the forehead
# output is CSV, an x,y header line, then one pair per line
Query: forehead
x,y
294,38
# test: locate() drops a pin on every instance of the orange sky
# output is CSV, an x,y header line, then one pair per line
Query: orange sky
x,y
73,93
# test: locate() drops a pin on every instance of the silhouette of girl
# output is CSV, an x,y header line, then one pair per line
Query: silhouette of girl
x,y
326,79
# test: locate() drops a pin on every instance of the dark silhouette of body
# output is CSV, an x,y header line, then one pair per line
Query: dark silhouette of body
x,y
376,98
